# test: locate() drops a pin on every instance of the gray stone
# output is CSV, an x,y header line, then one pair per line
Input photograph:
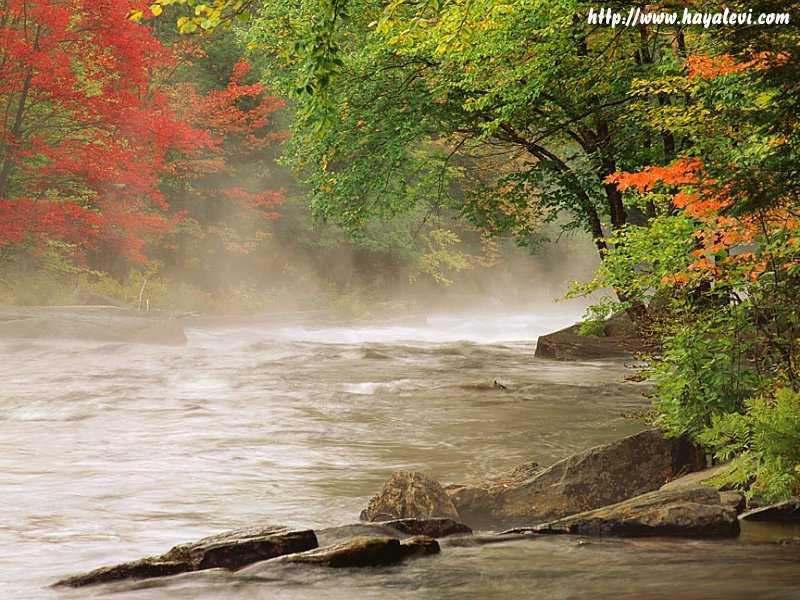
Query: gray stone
x,y
619,339
434,528
401,528
590,479
691,513
232,550
368,551
697,478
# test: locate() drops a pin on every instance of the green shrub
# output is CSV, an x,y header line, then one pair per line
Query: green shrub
x,y
762,444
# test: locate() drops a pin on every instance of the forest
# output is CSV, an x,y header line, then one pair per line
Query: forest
x,y
233,157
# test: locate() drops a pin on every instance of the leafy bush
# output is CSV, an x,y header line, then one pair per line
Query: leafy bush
x,y
701,373
762,445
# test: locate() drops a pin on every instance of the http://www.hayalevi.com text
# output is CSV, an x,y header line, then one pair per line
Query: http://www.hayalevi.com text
x,y
637,16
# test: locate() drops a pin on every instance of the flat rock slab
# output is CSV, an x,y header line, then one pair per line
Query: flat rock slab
x,y
706,477
695,479
587,480
690,513
368,551
232,550
620,340
785,512
410,495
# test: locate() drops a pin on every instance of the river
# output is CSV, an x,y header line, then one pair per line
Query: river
x,y
110,452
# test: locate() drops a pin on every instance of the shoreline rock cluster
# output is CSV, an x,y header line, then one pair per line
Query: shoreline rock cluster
x,y
644,485
373,545
528,494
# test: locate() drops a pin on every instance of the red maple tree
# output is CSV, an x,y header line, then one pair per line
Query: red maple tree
x,y
84,135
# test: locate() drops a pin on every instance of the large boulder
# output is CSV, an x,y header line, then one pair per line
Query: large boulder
x,y
410,495
477,501
232,550
368,551
618,339
689,512
590,479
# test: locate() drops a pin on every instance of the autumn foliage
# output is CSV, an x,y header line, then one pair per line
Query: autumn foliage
x,y
92,126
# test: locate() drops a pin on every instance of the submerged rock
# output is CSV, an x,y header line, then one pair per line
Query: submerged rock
x,y
619,339
590,479
231,550
368,551
691,512
409,494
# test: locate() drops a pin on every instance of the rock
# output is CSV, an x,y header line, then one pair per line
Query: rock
x,y
401,528
590,479
736,500
697,478
368,551
335,535
693,513
232,550
619,340
784,512
410,495
731,498
475,500
434,528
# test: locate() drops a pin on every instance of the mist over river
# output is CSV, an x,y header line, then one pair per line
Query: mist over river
x,y
110,452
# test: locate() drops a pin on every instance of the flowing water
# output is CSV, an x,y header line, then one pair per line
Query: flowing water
x,y
110,452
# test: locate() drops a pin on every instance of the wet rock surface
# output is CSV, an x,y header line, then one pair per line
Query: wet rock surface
x,y
231,550
401,528
691,513
435,528
619,339
409,494
366,551
590,479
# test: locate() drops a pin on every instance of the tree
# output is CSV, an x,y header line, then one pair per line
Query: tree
x,y
85,134
224,192
722,259
423,87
